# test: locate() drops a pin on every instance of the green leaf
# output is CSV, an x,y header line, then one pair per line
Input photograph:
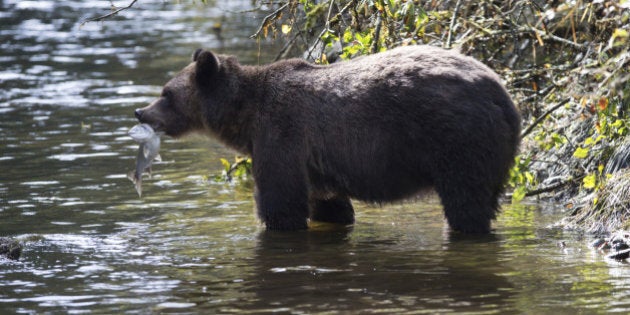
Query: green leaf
x,y
239,172
518,194
347,35
529,176
620,33
580,153
226,164
590,181
329,37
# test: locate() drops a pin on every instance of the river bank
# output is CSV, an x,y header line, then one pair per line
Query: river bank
x,y
565,64
192,245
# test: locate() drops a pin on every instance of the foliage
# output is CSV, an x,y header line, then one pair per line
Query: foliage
x,y
521,178
241,168
611,209
564,62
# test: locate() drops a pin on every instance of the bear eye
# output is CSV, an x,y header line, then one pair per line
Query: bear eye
x,y
167,97
167,94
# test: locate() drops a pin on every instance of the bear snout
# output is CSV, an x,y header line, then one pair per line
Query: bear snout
x,y
149,116
138,112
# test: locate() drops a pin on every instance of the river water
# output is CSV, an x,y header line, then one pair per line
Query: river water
x,y
192,244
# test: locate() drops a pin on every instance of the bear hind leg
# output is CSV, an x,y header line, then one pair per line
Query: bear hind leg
x,y
469,210
337,210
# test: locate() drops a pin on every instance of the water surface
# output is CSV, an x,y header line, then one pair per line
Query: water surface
x,y
193,245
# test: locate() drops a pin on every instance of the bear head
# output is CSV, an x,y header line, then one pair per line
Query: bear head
x,y
182,106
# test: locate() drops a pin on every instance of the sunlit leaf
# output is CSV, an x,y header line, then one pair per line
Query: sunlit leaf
x,y
226,164
347,35
620,33
603,103
598,127
590,181
529,176
378,6
323,60
519,194
329,37
581,153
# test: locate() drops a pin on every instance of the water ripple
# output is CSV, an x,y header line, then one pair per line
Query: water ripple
x,y
33,5
75,156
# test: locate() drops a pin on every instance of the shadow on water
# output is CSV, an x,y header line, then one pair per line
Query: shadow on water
x,y
191,245
320,270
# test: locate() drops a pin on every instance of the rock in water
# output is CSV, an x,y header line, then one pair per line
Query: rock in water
x,y
620,255
10,248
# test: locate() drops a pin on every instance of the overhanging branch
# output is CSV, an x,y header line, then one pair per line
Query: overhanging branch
x,y
542,117
110,14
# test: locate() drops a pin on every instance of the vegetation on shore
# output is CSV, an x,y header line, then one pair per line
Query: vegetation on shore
x,y
564,62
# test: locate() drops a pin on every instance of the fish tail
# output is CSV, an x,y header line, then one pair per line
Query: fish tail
x,y
139,187
137,180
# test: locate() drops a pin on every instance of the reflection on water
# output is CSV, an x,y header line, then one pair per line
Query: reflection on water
x,y
190,245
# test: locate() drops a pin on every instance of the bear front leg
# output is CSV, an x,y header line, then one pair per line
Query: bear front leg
x,y
281,189
333,210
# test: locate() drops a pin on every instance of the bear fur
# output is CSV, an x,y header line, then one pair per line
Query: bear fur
x,y
378,128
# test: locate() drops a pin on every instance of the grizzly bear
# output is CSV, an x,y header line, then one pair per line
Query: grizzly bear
x,y
378,128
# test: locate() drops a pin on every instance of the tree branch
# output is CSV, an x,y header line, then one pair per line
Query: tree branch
x,y
377,33
580,47
319,37
269,18
553,187
540,93
110,14
452,25
542,117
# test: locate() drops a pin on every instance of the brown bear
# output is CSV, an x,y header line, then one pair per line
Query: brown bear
x,y
378,128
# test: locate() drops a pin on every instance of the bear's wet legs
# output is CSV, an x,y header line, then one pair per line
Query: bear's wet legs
x,y
467,223
468,210
333,210
282,211
281,189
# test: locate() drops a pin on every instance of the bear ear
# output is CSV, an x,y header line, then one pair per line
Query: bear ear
x,y
196,54
207,65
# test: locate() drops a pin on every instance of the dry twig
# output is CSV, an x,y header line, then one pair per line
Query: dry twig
x,y
269,18
110,14
542,117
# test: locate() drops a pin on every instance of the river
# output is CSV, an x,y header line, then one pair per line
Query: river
x,y
191,244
